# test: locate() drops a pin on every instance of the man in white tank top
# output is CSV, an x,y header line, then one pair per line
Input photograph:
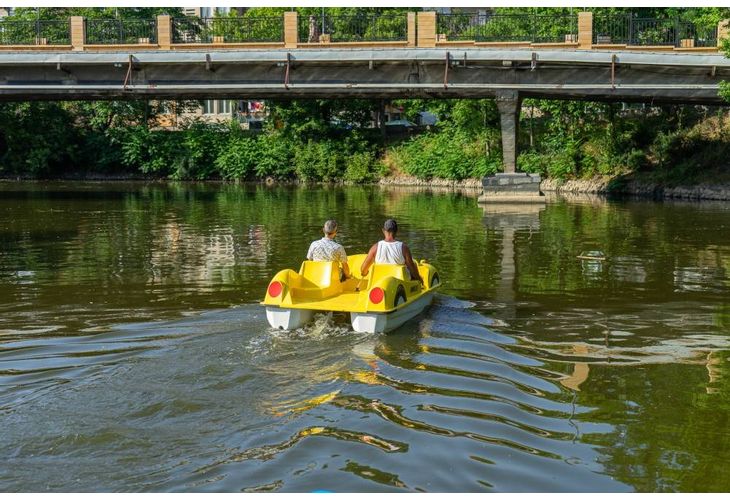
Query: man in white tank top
x,y
390,251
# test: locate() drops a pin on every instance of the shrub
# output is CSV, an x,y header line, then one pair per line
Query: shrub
x,y
360,167
150,152
36,138
275,156
238,158
317,161
447,154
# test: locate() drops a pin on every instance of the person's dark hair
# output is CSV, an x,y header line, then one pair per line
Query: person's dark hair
x,y
391,226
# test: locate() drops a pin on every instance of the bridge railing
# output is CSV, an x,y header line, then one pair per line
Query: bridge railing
x,y
426,29
39,32
507,28
357,28
227,29
120,31
630,30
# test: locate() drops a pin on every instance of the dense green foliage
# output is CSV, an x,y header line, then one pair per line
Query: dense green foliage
x,y
332,140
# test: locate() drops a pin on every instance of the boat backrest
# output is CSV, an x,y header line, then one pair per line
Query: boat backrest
x,y
355,262
320,274
384,270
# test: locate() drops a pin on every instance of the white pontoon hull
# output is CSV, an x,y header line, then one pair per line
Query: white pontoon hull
x,y
288,319
384,322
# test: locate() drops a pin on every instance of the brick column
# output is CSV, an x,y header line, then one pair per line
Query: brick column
x,y
426,29
164,32
78,33
412,29
723,29
508,103
585,30
291,31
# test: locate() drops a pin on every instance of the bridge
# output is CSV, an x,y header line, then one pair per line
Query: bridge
x,y
418,55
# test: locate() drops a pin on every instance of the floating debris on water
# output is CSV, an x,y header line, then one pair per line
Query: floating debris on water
x,y
592,255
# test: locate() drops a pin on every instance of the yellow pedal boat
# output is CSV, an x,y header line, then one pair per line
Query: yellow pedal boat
x,y
383,300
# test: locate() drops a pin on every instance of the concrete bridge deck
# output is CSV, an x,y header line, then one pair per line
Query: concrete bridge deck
x,y
370,73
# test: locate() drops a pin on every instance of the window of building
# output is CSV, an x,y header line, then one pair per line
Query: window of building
x,y
224,107
208,107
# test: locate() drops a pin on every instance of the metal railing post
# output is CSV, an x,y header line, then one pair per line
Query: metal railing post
x,y
629,29
533,20
676,31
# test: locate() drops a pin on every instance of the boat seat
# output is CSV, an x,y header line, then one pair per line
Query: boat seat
x,y
355,263
320,280
380,271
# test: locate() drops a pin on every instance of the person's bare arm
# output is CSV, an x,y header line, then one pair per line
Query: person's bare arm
x,y
346,270
368,260
412,267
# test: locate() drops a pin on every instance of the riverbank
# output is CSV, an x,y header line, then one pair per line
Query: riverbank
x,y
604,185
637,187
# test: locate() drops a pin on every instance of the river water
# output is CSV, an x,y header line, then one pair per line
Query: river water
x,y
134,355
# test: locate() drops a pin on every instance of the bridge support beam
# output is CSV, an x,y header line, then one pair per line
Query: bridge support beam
x,y
510,186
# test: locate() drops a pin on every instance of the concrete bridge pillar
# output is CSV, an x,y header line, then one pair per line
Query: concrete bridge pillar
x,y
510,186
509,103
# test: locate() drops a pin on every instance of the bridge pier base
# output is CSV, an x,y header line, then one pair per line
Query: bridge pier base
x,y
510,186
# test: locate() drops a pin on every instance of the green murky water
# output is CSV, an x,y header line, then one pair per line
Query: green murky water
x,y
134,355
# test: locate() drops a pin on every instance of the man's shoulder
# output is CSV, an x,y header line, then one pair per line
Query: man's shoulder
x,y
332,243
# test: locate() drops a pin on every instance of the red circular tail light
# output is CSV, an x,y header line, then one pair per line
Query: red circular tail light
x,y
275,289
377,295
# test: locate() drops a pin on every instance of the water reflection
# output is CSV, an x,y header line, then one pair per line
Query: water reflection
x,y
130,334
509,219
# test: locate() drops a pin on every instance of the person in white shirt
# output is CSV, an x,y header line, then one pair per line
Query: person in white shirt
x,y
328,250
391,251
